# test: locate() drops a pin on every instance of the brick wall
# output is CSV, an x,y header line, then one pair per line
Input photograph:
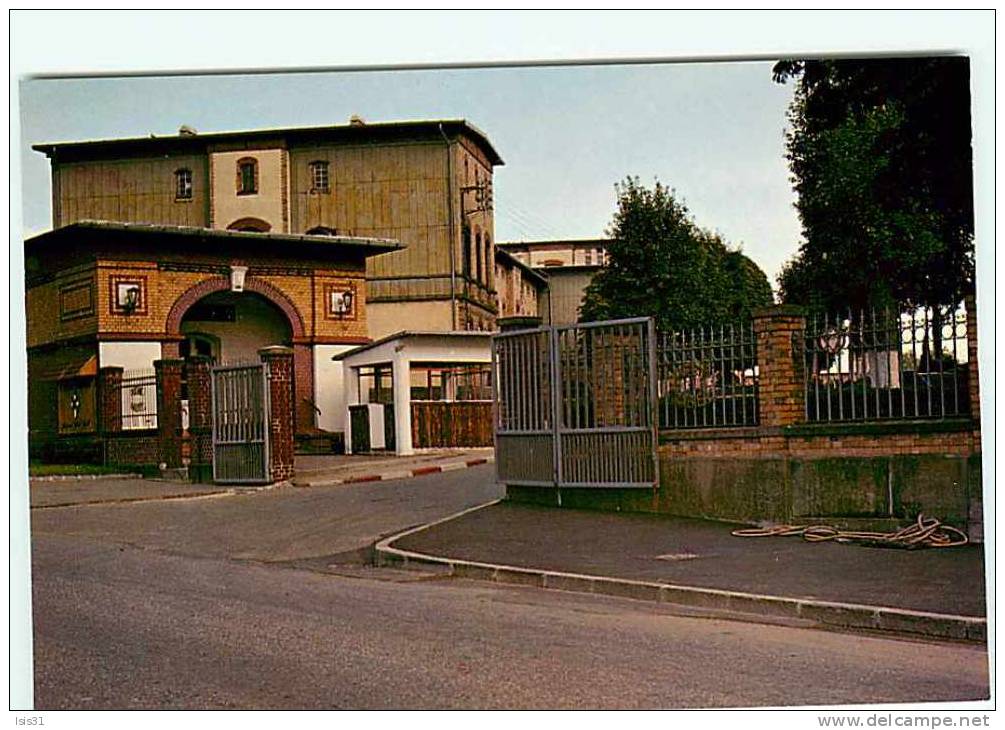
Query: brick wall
x,y
133,448
822,441
162,287
63,307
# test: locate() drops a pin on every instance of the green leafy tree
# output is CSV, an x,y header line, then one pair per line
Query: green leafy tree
x,y
661,264
881,162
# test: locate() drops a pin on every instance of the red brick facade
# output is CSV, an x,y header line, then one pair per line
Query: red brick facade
x,y
200,426
169,412
279,367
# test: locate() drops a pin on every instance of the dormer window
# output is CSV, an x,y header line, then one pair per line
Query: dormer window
x,y
183,184
319,176
247,176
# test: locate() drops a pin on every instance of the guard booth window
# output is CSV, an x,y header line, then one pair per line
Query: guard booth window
x,y
375,384
446,382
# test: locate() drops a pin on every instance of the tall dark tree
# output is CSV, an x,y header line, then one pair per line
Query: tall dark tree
x,y
661,264
881,161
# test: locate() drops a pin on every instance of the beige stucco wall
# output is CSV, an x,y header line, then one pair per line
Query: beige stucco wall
x,y
388,318
268,204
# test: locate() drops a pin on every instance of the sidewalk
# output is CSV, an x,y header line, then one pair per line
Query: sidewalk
x,y
694,554
46,493
314,470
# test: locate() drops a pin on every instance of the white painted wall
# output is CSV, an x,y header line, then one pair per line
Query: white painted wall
x,y
376,425
329,387
128,355
133,356
401,353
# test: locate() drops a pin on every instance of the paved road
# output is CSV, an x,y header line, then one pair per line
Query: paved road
x,y
172,605
126,627
281,524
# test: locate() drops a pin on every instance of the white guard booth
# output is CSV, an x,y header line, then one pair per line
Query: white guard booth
x,y
382,379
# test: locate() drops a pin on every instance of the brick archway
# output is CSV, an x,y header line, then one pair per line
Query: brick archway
x,y
222,283
303,360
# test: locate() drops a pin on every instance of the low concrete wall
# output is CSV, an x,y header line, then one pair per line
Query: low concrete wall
x,y
788,475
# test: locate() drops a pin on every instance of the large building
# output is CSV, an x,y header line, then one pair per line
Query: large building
x,y
320,238
427,184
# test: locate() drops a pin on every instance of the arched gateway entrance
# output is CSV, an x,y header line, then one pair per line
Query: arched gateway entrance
x,y
232,326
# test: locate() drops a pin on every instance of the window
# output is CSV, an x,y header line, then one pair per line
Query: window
x,y
450,382
589,257
488,258
466,252
183,184
319,176
247,176
478,255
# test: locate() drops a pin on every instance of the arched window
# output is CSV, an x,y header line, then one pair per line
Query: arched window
x,y
488,258
247,176
322,231
319,176
252,225
183,184
478,255
466,251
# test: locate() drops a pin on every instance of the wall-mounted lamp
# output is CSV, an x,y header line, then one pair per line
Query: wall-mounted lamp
x,y
130,299
342,303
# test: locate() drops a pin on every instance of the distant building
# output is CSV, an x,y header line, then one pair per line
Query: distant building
x,y
520,288
568,265
570,252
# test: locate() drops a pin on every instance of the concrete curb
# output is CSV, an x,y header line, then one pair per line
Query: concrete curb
x,y
82,477
828,613
399,473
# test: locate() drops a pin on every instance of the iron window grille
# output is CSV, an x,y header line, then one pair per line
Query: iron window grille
x,y
319,177
183,184
247,176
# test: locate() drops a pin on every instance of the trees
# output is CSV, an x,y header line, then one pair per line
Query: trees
x,y
881,162
661,264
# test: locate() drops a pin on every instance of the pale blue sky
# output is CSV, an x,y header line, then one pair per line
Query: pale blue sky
x,y
713,131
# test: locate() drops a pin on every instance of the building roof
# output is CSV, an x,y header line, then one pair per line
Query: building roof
x,y
510,260
554,243
368,246
557,269
407,334
180,143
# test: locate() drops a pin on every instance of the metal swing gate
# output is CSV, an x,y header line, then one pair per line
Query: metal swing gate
x,y
575,405
240,414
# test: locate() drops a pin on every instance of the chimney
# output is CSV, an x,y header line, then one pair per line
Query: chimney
x,y
357,121
186,131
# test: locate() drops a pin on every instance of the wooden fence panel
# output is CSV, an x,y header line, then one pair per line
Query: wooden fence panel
x,y
454,423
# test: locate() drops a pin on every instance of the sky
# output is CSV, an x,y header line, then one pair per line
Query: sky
x,y
712,131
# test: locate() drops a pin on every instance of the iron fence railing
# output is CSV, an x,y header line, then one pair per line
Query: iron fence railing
x,y
708,377
138,396
883,364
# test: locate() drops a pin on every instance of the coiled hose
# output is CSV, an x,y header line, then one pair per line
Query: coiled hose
x,y
926,532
